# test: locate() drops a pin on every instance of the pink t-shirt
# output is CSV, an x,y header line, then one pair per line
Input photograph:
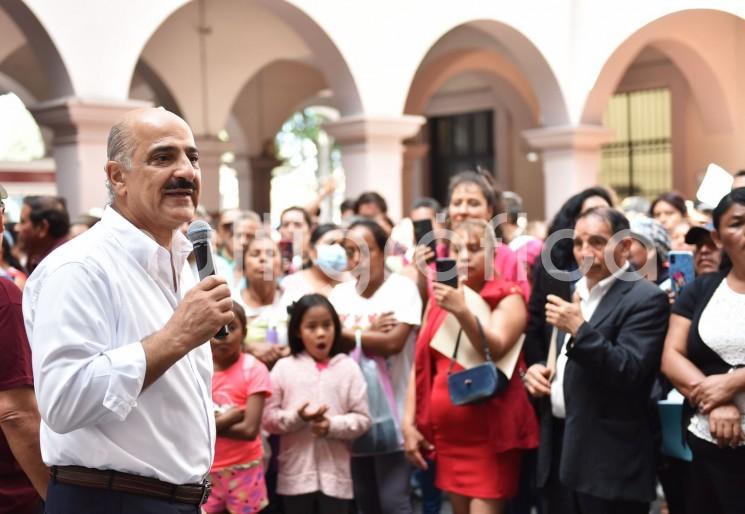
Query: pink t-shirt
x,y
231,388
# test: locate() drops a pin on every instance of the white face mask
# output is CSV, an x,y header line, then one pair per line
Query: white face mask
x,y
331,258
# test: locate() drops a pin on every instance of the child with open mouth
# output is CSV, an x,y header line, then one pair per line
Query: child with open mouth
x,y
318,404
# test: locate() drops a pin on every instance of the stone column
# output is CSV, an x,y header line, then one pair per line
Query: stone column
x,y
571,160
81,129
372,154
242,167
415,183
261,181
211,150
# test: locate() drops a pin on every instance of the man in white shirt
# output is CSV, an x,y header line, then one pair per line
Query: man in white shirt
x,y
597,453
117,326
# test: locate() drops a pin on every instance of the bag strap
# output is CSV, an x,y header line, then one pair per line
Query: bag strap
x,y
487,352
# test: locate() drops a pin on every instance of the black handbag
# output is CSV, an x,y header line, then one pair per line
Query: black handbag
x,y
478,383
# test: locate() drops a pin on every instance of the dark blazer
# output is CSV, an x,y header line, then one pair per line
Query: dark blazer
x,y
608,449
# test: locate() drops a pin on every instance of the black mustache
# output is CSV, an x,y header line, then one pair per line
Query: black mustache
x,y
180,183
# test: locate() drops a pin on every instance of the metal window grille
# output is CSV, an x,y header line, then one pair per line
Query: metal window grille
x,y
458,143
639,161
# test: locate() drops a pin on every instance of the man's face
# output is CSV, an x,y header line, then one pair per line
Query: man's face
x,y
244,232
706,256
161,191
225,230
293,222
29,235
592,242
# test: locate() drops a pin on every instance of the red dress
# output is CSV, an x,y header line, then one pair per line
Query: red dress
x,y
478,447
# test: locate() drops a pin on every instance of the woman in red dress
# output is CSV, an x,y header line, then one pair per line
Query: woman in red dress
x,y
477,448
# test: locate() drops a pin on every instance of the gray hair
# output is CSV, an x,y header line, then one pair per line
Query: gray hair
x,y
249,215
119,148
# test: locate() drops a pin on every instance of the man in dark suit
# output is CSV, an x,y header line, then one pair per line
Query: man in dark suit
x,y
597,450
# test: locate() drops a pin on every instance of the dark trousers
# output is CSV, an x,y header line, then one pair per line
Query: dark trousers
x,y
675,477
381,484
270,476
528,497
559,499
431,495
73,499
717,478
315,503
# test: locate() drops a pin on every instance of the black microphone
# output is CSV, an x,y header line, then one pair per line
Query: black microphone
x,y
199,234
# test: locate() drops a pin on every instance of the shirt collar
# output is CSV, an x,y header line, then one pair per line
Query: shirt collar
x,y
601,287
141,245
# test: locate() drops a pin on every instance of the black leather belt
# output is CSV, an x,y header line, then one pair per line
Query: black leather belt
x,y
193,494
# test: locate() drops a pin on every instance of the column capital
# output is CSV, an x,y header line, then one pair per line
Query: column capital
x,y
415,149
211,146
569,137
366,129
263,163
76,119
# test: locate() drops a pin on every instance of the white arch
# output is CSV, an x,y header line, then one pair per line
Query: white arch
x,y
245,37
696,53
32,25
524,66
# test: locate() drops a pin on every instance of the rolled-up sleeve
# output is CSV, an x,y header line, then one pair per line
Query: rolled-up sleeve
x,y
82,376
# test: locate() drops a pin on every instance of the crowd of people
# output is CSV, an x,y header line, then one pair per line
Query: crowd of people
x,y
512,365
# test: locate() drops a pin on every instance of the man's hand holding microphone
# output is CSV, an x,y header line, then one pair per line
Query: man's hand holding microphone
x,y
205,310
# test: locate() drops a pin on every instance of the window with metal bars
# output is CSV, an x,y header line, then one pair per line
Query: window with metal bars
x,y
639,161
458,143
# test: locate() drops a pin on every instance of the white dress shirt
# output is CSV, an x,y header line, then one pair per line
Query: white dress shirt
x,y
87,308
589,299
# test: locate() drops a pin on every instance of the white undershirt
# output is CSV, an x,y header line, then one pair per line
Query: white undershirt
x,y
589,301
722,328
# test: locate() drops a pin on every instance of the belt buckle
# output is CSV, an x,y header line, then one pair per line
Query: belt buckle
x,y
206,488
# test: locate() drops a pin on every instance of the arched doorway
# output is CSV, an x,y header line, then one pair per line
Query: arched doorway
x,y
31,71
684,60
480,86
231,43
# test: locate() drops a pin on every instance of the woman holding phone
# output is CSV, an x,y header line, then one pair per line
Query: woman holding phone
x,y
477,447
704,357
472,195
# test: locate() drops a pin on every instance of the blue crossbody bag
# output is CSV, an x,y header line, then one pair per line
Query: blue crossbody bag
x,y
478,383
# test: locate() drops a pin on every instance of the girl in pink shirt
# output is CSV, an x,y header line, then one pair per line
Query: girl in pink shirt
x,y
319,403
239,385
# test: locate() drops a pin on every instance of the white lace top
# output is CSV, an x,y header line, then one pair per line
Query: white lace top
x,y
722,328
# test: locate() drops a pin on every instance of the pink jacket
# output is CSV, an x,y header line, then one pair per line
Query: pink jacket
x,y
308,463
